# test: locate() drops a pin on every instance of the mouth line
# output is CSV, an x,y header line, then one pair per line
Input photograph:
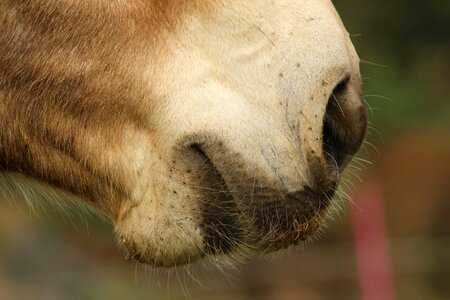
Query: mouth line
x,y
262,222
288,222
222,231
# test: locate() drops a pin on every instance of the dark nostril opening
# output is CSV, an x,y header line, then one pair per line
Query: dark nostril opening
x,y
340,88
344,123
331,146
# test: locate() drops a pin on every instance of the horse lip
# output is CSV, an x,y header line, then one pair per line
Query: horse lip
x,y
265,219
324,195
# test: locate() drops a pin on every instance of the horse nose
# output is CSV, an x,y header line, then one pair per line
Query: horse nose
x,y
344,122
321,155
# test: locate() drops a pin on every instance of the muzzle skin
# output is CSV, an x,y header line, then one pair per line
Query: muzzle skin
x,y
201,129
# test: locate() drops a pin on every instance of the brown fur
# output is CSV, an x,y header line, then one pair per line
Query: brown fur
x,y
64,76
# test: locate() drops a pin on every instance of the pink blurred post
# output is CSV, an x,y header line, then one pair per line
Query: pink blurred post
x,y
371,244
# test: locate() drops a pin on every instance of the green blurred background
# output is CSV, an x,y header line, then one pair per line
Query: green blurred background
x,y
405,50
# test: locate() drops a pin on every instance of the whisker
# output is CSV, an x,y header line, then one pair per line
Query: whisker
x,y
378,97
372,63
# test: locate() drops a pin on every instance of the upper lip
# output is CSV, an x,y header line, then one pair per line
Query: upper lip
x,y
254,213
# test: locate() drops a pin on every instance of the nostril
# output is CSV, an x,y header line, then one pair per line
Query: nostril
x,y
331,145
344,123
340,88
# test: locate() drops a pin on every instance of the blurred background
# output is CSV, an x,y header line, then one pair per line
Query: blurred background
x,y
392,242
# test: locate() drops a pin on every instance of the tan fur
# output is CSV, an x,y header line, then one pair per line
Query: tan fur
x,y
74,57
105,100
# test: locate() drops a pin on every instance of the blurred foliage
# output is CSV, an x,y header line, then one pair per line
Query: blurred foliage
x,y
405,50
